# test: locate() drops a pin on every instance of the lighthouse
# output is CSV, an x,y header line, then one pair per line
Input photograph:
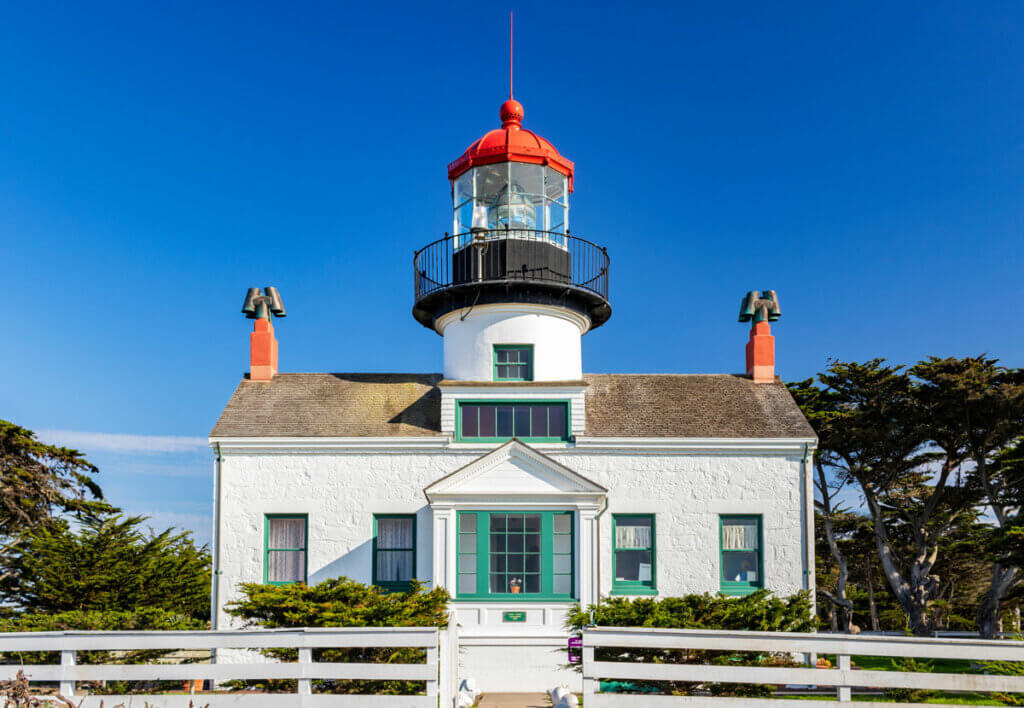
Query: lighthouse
x,y
511,289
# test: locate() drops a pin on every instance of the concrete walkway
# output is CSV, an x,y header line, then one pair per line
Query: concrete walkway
x,y
515,700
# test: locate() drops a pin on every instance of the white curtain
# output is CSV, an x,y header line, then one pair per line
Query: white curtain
x,y
739,536
393,565
286,565
633,536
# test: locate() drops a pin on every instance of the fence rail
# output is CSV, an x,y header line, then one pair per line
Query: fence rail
x,y
843,677
305,670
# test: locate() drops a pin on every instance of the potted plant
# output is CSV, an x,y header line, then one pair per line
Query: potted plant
x,y
515,584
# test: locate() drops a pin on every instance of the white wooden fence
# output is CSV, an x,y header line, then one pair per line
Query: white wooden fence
x,y
843,678
254,666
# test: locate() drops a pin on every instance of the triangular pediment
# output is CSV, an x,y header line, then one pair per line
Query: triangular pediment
x,y
514,469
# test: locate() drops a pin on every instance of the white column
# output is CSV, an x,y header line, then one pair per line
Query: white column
x,y
589,581
444,548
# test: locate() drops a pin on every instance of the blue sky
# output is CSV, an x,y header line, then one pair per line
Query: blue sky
x,y
865,160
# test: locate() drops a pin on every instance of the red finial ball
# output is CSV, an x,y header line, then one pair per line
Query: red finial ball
x,y
511,113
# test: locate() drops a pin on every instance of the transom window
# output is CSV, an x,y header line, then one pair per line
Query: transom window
x,y
522,555
496,421
394,550
633,560
513,362
284,548
741,559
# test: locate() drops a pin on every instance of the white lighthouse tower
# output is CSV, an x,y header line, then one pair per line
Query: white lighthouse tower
x,y
511,290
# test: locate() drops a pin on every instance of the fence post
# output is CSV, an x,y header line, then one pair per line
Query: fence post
x,y
448,664
305,659
67,658
590,685
843,693
432,661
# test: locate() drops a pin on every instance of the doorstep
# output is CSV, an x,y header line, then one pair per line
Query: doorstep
x,y
515,700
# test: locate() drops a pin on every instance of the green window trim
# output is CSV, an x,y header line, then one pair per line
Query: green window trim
x,y
267,549
478,555
567,421
740,587
521,349
634,587
394,586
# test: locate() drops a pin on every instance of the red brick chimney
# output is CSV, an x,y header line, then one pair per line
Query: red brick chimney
x,y
262,351
761,353
759,308
262,306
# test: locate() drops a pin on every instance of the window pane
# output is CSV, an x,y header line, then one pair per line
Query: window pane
x,y
556,421
739,534
563,584
532,563
526,178
470,421
286,566
556,217
531,523
464,187
487,421
286,533
502,355
497,542
394,533
515,522
498,583
532,583
515,543
563,564
563,523
394,566
504,421
498,563
467,523
514,563
533,543
522,417
740,566
498,522
632,532
554,184
467,584
633,566
539,421
563,544
467,563
467,542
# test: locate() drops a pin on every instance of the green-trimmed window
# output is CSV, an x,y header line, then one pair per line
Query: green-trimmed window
x,y
513,362
522,555
285,538
742,556
394,550
497,421
633,555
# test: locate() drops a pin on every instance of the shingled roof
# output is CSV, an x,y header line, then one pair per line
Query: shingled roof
x,y
618,405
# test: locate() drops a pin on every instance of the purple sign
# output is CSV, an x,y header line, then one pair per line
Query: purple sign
x,y
575,650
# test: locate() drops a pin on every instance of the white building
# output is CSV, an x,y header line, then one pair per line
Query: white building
x,y
513,479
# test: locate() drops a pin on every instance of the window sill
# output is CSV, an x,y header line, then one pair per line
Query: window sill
x,y
738,591
634,591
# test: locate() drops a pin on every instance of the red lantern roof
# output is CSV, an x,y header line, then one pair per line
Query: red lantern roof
x,y
511,143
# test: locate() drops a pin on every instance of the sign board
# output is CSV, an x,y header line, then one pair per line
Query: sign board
x,y
513,616
575,650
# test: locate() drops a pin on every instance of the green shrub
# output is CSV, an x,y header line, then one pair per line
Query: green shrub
x,y
760,611
342,603
1005,668
911,695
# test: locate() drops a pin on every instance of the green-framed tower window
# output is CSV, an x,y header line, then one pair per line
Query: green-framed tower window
x,y
520,555
513,362
498,421
742,555
285,541
394,550
634,555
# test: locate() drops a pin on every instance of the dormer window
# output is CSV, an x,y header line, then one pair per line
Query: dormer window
x,y
513,362
499,421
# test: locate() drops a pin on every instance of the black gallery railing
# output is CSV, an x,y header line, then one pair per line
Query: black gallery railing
x,y
503,255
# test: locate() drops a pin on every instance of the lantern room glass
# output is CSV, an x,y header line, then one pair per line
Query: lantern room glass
x,y
511,196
